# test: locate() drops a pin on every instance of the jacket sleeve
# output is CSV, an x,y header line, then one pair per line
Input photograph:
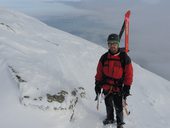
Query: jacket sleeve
x,y
99,73
128,76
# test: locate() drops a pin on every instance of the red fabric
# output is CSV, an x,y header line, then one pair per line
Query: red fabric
x,y
128,79
113,69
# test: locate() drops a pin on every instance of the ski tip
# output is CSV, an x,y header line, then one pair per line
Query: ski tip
x,y
128,13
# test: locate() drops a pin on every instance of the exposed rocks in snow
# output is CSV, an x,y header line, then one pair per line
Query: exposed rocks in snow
x,y
7,27
62,100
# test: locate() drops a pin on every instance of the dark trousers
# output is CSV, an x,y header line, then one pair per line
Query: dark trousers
x,y
114,101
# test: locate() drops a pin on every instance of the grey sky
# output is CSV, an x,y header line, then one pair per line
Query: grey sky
x,y
95,19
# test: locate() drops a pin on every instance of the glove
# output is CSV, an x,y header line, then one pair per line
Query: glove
x,y
98,87
126,91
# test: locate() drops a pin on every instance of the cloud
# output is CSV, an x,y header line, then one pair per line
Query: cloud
x,y
41,8
61,0
152,1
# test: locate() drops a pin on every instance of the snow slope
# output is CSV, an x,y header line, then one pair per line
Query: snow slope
x,y
47,78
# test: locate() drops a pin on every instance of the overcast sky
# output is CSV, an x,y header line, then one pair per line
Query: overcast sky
x,y
95,19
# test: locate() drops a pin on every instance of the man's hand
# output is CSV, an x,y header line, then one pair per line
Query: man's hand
x,y
125,91
98,87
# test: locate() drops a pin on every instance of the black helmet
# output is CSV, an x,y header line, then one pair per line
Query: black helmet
x,y
114,38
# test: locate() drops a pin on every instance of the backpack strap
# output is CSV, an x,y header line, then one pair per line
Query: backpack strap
x,y
123,59
104,58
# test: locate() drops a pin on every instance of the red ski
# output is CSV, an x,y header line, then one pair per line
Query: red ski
x,y
127,15
125,27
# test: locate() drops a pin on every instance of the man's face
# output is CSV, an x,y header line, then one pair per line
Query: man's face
x,y
113,46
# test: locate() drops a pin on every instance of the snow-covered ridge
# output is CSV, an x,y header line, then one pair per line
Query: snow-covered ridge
x,y
48,63
55,70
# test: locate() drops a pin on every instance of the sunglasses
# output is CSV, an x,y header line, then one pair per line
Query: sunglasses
x,y
113,42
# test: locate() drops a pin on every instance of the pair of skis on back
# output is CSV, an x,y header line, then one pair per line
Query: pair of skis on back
x,y
125,27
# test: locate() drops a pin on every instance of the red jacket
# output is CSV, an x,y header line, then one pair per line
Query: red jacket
x,y
112,74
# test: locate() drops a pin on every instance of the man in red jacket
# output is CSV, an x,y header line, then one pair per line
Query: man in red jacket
x,y
114,75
